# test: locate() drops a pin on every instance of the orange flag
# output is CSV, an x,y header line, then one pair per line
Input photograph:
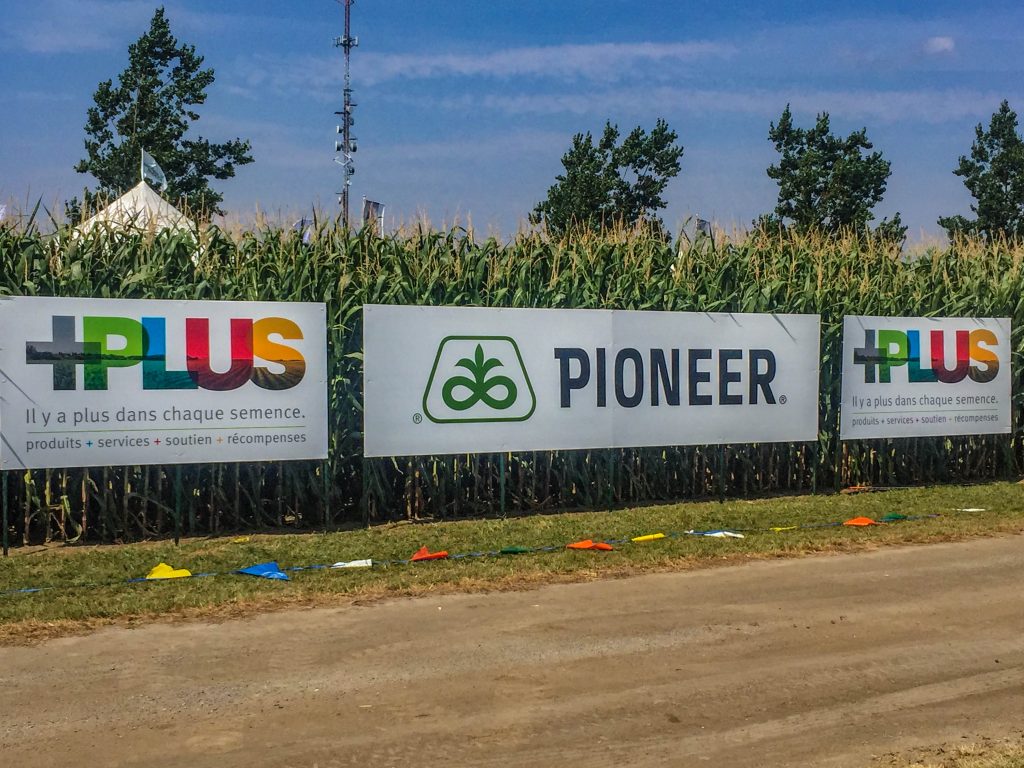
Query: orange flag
x,y
424,554
590,544
862,521
585,544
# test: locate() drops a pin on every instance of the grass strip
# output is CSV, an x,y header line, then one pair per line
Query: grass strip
x,y
76,605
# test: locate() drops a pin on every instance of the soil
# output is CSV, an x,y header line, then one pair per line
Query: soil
x,y
824,661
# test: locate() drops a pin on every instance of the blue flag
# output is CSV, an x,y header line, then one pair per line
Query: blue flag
x,y
266,571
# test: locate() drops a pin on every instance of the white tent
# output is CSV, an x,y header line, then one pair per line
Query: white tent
x,y
140,208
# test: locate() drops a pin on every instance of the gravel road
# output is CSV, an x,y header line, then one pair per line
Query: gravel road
x,y
822,661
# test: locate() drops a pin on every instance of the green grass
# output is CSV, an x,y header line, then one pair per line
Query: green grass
x,y
73,608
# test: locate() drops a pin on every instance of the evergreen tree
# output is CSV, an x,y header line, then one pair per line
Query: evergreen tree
x,y
827,183
608,182
152,107
994,175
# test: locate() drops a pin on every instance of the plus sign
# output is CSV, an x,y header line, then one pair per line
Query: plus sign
x,y
63,353
89,443
869,356
157,441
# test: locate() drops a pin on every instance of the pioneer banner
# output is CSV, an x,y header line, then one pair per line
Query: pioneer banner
x,y
916,377
473,380
91,382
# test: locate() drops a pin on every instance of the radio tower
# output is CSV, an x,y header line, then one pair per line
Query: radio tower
x,y
347,145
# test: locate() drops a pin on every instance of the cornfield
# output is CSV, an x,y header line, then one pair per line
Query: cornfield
x,y
622,270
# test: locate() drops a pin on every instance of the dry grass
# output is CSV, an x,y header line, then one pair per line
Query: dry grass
x,y
984,753
75,607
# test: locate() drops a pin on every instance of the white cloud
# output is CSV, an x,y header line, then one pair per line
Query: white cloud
x,y
939,45
77,26
59,26
321,76
929,106
600,61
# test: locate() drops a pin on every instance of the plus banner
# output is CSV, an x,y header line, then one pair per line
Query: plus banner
x,y
95,382
919,377
473,380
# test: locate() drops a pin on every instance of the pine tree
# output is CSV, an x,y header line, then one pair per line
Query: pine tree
x,y
994,175
827,183
153,107
606,183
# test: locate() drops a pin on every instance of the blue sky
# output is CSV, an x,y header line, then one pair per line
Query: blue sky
x,y
466,106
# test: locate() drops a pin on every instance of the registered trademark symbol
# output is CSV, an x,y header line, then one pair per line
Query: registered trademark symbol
x,y
417,418
783,399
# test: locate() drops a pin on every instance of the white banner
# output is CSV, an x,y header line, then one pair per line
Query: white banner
x,y
95,382
918,377
473,380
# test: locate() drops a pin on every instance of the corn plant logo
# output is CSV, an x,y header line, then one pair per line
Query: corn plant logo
x,y
478,379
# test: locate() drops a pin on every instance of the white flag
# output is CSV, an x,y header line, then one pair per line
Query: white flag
x,y
152,172
372,210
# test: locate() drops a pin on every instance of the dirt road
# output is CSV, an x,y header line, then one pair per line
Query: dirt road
x,y
820,661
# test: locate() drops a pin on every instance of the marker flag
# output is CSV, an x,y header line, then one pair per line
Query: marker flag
x,y
424,554
648,537
164,571
266,571
861,521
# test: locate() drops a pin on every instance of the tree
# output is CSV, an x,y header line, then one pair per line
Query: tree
x,y
994,175
606,183
827,183
152,107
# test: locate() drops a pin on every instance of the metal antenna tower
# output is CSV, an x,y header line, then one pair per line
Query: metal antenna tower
x,y
347,146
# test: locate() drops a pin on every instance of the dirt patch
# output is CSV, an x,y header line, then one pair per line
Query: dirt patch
x,y
827,661
983,752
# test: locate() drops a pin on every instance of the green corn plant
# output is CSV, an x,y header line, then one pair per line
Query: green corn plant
x,y
615,269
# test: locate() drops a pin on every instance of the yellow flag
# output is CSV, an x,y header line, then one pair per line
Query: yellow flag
x,y
164,571
649,537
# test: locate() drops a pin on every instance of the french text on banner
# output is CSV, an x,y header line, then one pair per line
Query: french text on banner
x,y
94,382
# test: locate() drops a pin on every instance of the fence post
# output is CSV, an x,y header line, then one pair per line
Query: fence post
x,y
177,504
364,496
815,448
501,481
192,506
611,478
6,515
325,471
721,473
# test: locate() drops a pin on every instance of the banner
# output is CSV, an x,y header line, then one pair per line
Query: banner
x,y
96,382
443,380
919,377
